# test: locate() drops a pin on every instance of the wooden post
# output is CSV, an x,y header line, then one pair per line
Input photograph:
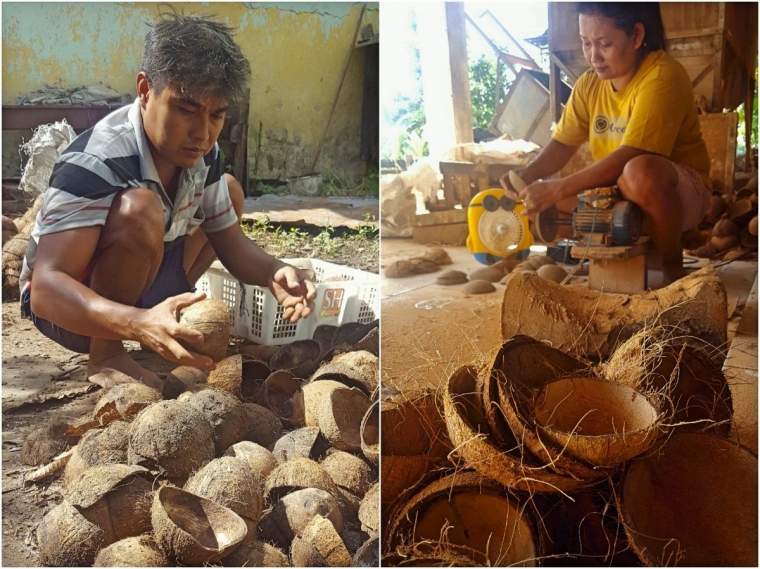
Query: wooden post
x,y
460,71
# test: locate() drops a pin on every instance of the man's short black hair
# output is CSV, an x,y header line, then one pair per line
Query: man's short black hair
x,y
196,55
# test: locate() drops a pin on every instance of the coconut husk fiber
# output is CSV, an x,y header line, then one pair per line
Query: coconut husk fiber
x,y
12,261
369,510
228,375
67,539
173,437
520,368
139,551
349,471
192,530
686,381
44,443
98,447
254,553
306,442
295,474
225,413
294,512
579,321
259,459
472,513
467,427
210,317
321,537
595,420
355,369
115,497
692,503
229,481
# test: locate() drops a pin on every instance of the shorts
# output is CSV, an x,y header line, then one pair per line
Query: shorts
x,y
170,280
695,196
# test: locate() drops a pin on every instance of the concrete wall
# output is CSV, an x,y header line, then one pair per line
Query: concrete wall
x,y
297,53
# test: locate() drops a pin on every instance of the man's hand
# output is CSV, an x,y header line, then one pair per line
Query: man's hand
x,y
294,290
159,329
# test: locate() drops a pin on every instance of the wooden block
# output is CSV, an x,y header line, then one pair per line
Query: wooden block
x,y
624,276
449,234
615,252
441,217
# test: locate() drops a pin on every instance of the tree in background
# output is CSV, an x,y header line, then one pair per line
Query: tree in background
x,y
483,88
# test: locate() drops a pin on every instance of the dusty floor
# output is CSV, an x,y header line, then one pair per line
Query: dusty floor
x,y
429,330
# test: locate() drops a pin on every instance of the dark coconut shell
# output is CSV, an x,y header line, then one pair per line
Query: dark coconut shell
x,y
693,502
301,358
254,373
264,427
181,379
277,393
492,525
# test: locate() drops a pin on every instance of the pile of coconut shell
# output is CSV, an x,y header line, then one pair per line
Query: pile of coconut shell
x,y
270,460
547,459
729,230
481,281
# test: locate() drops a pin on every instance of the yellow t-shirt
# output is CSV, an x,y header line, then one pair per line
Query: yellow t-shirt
x,y
655,112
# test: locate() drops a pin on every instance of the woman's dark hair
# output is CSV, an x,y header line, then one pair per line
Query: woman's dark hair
x,y
195,55
625,15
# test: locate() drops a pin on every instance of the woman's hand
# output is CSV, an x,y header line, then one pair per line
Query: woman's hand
x,y
540,196
158,329
509,189
294,290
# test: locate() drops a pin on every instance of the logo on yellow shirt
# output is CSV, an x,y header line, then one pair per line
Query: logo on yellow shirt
x,y
603,125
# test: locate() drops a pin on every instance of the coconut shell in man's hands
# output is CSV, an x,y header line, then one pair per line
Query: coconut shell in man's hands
x,y
211,318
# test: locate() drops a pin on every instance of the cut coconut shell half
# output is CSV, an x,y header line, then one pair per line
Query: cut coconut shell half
x,y
277,392
306,442
194,530
370,433
68,539
355,369
139,551
259,459
489,523
469,432
693,503
518,371
689,384
595,420
300,358
295,474
254,374
228,481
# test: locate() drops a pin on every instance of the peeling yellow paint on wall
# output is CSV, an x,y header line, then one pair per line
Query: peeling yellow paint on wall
x,y
296,55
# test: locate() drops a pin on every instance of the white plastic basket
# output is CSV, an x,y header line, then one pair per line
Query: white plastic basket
x,y
349,295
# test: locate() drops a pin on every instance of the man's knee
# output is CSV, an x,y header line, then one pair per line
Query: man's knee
x,y
136,217
237,195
